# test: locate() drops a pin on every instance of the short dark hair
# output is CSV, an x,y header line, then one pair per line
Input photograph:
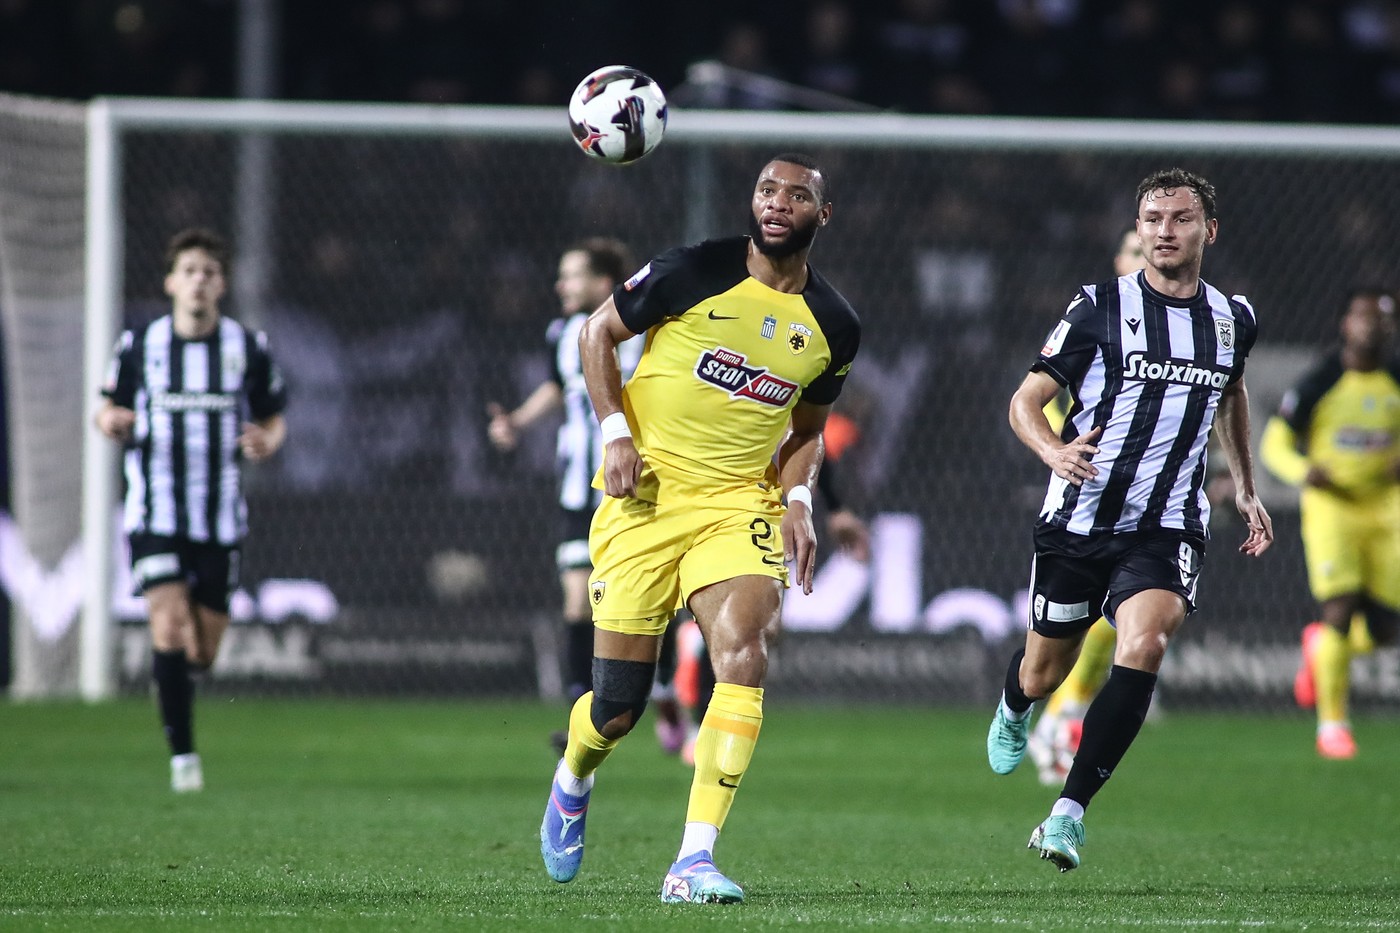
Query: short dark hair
x,y
197,238
1169,179
607,257
811,164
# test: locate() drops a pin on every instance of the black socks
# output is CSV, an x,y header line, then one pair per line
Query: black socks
x,y
175,695
1110,725
1016,699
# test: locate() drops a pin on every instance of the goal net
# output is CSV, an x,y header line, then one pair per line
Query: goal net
x,y
42,158
402,260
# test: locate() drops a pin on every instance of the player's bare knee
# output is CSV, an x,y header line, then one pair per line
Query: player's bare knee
x,y
1143,651
744,662
1039,684
169,629
620,693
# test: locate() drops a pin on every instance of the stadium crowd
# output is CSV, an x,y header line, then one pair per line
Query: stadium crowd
x,y
1292,60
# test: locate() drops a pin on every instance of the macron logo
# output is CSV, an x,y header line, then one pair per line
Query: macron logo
x,y
1181,372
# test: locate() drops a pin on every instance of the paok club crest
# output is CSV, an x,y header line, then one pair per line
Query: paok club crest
x,y
1225,333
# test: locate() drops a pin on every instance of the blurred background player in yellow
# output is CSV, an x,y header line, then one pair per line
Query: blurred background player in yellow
x,y
1337,437
1055,739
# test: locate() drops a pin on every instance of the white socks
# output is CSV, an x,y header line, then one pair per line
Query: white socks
x,y
571,785
699,837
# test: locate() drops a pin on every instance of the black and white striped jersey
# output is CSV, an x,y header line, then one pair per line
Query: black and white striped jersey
x,y
1150,370
191,398
580,447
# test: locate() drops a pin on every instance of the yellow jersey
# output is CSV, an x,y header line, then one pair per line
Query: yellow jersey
x,y
1344,420
725,360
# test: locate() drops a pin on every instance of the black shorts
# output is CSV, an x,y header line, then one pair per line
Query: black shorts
x,y
1076,578
572,553
210,570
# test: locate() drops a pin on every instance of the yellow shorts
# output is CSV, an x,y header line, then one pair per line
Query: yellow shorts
x,y
649,558
1352,547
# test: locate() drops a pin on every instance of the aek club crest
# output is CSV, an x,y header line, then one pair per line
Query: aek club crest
x,y
799,337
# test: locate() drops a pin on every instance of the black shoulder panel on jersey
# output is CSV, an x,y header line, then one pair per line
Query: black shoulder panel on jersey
x,y
1089,329
1247,326
679,279
130,364
1310,390
266,389
841,327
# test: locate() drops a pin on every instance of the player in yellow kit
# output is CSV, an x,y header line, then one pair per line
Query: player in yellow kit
x,y
742,336
1337,436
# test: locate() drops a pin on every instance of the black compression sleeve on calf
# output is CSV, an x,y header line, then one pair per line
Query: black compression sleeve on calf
x,y
175,696
1110,725
1016,699
620,687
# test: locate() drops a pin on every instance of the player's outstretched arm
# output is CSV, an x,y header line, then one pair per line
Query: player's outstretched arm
x,y
598,341
1071,462
1232,423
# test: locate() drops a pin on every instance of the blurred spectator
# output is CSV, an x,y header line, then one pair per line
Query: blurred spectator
x,y
1240,75
832,58
923,49
1033,58
1129,32
1313,72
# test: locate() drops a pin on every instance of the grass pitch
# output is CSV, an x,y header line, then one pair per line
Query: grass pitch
x,y
358,816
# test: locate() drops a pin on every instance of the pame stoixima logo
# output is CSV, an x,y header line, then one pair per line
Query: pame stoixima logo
x,y
725,369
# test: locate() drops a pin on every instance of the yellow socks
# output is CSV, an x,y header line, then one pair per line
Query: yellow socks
x,y
587,748
1331,660
723,750
1359,635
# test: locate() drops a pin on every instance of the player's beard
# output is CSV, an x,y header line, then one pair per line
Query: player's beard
x,y
798,239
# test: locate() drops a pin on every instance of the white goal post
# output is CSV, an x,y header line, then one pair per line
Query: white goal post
x,y
863,140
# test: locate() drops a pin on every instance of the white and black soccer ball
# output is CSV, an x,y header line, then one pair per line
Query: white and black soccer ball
x,y
618,114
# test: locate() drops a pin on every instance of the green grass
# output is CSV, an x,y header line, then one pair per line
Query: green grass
x,y
357,816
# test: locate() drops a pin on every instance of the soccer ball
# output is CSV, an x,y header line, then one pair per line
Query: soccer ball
x,y
618,114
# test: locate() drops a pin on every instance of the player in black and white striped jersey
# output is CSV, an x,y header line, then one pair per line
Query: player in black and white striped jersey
x,y
588,272
189,396
1153,361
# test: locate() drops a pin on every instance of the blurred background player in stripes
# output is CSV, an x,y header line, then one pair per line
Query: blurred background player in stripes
x,y
190,396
